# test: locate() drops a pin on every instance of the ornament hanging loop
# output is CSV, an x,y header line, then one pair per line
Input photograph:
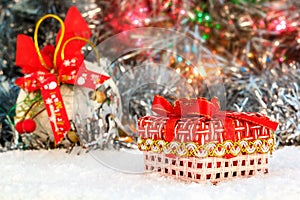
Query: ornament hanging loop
x,y
82,39
58,43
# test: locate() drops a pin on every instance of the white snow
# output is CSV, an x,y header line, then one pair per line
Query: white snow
x,y
57,175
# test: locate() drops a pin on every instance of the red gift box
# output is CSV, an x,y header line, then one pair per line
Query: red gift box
x,y
195,136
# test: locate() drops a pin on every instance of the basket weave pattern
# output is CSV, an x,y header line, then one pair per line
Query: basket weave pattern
x,y
199,130
212,169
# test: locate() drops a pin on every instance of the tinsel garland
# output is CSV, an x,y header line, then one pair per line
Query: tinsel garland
x,y
9,93
256,44
186,149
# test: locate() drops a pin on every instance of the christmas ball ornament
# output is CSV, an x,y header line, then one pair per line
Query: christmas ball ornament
x,y
26,126
47,91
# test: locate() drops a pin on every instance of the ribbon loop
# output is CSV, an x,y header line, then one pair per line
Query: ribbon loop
x,y
162,106
183,108
59,41
201,107
195,107
186,107
81,39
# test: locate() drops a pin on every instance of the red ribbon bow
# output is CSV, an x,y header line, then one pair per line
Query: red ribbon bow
x,y
43,74
186,107
201,107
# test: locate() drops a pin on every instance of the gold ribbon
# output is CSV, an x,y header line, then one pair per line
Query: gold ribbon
x,y
58,43
226,149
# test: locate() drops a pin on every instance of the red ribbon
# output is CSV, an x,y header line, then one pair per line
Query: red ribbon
x,y
201,107
47,78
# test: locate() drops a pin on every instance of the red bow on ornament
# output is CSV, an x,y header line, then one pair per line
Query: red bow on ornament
x,y
46,68
208,110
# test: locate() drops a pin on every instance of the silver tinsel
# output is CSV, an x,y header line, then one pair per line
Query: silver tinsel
x,y
8,93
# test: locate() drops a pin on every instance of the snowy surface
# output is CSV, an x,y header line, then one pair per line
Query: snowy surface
x,y
57,175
